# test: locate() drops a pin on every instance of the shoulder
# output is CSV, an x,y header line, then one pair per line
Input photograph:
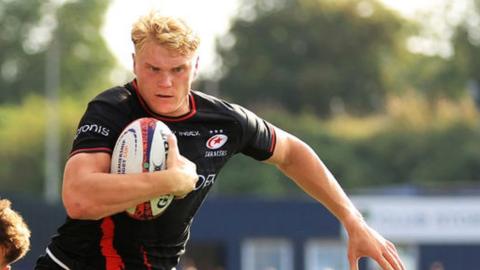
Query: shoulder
x,y
209,101
114,106
210,104
114,95
116,99
210,107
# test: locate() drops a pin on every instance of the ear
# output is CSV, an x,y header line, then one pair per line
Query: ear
x,y
8,267
195,69
133,61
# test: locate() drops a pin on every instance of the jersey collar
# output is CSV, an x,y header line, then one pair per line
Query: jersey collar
x,y
191,113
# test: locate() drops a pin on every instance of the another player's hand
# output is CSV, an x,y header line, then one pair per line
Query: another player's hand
x,y
366,242
183,172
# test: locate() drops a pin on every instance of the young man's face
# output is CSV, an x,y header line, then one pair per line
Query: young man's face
x,y
164,78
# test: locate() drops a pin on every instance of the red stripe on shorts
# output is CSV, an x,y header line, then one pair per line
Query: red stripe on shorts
x,y
113,261
145,259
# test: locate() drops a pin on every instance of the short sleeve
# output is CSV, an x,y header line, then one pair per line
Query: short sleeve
x,y
259,137
99,127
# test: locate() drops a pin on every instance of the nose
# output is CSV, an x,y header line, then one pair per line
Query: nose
x,y
164,80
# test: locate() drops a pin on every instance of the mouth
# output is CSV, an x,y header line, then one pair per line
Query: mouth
x,y
164,96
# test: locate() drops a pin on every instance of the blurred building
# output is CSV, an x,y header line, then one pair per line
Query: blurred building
x,y
247,234
431,232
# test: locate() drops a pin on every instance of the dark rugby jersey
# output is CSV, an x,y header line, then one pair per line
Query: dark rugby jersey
x,y
121,242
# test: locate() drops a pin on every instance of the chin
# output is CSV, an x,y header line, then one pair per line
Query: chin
x,y
165,112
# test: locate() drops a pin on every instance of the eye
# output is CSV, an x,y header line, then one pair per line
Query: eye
x,y
178,69
153,69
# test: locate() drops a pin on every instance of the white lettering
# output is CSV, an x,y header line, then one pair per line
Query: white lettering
x,y
205,181
218,153
188,133
93,128
105,131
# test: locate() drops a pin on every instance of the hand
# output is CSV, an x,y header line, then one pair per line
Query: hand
x,y
366,242
183,171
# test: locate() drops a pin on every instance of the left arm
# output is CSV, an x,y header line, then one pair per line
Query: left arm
x,y
299,162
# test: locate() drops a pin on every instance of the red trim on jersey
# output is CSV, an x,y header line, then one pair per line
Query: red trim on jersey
x,y
191,113
145,258
274,139
88,150
113,261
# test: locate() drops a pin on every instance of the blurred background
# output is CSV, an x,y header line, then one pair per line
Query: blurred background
x,y
386,92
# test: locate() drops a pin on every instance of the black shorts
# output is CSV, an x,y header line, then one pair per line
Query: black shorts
x,y
46,263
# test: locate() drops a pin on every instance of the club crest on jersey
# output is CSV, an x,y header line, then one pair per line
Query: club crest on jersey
x,y
216,141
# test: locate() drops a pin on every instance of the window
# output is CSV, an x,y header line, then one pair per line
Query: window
x,y
326,255
267,254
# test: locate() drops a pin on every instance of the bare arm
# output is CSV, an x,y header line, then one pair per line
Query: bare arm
x,y
90,191
299,162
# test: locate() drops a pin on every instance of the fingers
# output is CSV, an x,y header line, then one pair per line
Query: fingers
x,y
353,261
172,145
388,259
393,258
183,172
384,264
173,152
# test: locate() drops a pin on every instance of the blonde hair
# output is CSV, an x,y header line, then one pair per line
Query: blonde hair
x,y
173,33
14,234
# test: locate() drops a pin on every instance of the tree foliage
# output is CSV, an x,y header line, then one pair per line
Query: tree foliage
x,y
466,43
304,56
435,74
28,30
420,148
86,60
309,55
22,140
20,62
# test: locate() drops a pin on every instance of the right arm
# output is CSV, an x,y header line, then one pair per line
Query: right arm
x,y
90,191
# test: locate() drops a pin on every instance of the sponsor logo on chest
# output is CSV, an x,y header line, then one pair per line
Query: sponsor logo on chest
x,y
187,133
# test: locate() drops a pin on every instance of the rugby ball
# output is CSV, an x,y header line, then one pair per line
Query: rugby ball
x,y
142,147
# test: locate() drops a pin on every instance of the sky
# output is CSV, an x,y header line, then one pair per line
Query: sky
x,y
410,7
210,18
